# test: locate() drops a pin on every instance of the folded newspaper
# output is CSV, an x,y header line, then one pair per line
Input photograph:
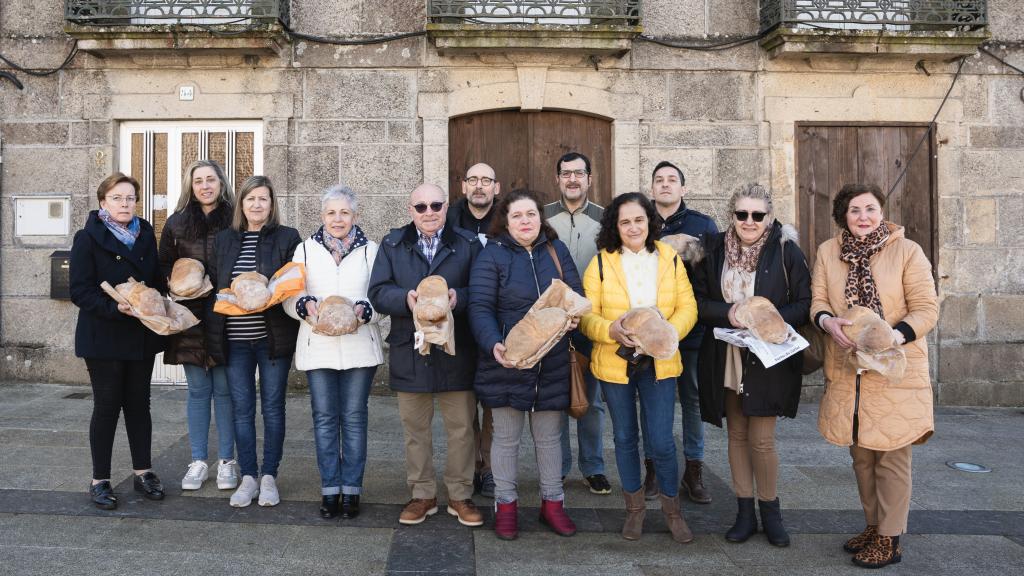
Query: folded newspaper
x,y
769,354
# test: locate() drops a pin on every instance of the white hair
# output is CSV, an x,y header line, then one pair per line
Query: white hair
x,y
340,192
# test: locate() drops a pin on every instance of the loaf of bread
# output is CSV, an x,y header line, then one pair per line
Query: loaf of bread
x,y
869,332
759,315
336,316
533,332
657,337
688,247
250,289
146,301
560,295
431,300
186,277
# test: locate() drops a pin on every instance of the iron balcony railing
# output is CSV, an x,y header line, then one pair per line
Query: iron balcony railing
x,y
207,12
892,15
554,12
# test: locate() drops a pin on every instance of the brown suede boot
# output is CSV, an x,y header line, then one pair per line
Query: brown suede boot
x,y
674,518
693,482
636,509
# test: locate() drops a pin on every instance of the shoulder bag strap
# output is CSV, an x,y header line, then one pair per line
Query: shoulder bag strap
x,y
554,256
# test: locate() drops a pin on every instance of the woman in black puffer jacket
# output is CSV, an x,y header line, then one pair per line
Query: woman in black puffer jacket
x,y
203,210
512,271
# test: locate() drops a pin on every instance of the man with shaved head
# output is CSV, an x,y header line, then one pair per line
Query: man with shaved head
x,y
480,186
428,246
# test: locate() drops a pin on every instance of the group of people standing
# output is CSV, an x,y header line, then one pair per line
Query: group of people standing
x,y
498,251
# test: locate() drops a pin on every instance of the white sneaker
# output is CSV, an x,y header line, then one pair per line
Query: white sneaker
x,y
245,493
227,474
268,491
197,473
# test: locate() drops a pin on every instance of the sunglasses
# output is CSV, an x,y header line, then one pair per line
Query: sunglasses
x,y
421,208
742,215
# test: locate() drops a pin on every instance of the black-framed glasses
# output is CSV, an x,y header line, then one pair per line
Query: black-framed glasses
x,y
483,181
579,174
742,215
421,208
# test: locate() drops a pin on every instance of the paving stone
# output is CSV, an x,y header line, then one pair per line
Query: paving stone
x,y
417,550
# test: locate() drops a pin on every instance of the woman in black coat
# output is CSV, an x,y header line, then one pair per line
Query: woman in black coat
x,y
508,277
204,209
118,350
755,256
255,242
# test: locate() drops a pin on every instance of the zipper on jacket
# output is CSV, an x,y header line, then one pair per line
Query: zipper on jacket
x,y
536,386
856,408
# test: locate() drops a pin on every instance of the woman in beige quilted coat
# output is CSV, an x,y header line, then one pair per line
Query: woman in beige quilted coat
x,y
870,263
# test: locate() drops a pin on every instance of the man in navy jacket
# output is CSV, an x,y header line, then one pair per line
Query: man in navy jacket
x,y
427,247
668,186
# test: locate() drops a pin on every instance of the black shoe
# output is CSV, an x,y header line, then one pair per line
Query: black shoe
x,y
149,486
477,482
598,484
349,506
746,523
103,495
487,484
771,520
329,506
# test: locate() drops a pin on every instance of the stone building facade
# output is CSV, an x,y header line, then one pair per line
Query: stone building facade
x,y
377,118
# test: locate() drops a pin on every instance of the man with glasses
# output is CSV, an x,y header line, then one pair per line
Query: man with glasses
x,y
475,210
668,186
577,221
426,247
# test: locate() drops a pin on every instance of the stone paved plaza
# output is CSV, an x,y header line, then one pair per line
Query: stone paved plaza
x,y
960,523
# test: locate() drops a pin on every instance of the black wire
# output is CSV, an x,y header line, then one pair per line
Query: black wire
x,y
724,45
43,72
1003,62
927,133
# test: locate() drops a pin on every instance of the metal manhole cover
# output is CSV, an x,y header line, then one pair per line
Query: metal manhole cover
x,y
968,467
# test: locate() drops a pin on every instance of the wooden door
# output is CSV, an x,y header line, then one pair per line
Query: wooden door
x,y
523,147
829,156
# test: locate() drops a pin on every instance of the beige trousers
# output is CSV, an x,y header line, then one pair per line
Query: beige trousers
x,y
752,456
883,480
416,411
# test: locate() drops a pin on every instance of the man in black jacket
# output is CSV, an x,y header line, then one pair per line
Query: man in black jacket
x,y
474,212
668,186
407,255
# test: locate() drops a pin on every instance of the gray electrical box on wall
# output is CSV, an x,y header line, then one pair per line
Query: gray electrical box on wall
x,y
60,275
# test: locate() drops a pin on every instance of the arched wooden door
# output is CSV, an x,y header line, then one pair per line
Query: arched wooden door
x,y
523,147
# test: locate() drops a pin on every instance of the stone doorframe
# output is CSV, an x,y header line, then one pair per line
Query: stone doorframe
x,y
532,87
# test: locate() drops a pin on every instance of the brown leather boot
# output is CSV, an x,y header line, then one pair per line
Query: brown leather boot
x,y
651,489
674,518
636,509
693,482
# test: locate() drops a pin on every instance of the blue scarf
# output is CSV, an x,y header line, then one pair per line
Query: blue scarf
x,y
125,234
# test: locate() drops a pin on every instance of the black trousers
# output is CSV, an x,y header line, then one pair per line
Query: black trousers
x,y
120,385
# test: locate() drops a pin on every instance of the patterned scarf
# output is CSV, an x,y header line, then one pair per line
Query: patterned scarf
x,y
857,252
125,234
341,247
739,258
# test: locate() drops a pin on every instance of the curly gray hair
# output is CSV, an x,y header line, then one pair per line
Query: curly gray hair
x,y
756,192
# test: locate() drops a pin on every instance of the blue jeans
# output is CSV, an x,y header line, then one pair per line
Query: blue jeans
x,y
244,356
657,400
589,429
689,403
204,385
340,418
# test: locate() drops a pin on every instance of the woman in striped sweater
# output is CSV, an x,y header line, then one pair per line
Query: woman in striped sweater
x,y
255,242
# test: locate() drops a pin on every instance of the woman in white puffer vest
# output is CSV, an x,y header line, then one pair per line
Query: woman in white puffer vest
x,y
338,259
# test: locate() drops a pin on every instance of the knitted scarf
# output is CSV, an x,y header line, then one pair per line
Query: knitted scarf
x,y
857,252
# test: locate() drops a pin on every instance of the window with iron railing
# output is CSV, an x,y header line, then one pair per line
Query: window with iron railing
x,y
543,12
149,12
886,15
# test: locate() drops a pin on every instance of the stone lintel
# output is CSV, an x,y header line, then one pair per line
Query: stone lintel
x,y
120,40
598,40
931,44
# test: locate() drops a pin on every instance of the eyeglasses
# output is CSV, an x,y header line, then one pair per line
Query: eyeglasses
x,y
742,215
566,174
121,199
483,181
421,208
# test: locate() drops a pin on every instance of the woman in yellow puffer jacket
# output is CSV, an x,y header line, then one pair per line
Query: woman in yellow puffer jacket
x,y
633,270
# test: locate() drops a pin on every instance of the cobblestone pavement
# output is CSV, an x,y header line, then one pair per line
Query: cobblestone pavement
x,y
960,523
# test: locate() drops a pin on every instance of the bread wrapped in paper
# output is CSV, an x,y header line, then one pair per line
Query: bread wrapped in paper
x,y
561,295
877,348
250,290
336,316
532,332
759,315
146,301
656,336
688,247
431,299
187,277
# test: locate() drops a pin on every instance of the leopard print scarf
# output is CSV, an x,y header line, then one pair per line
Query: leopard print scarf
x,y
739,258
857,252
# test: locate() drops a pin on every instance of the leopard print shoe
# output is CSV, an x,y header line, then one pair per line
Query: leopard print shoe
x,y
883,551
862,540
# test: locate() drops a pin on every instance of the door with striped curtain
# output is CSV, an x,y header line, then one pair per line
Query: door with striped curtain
x,y
157,153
